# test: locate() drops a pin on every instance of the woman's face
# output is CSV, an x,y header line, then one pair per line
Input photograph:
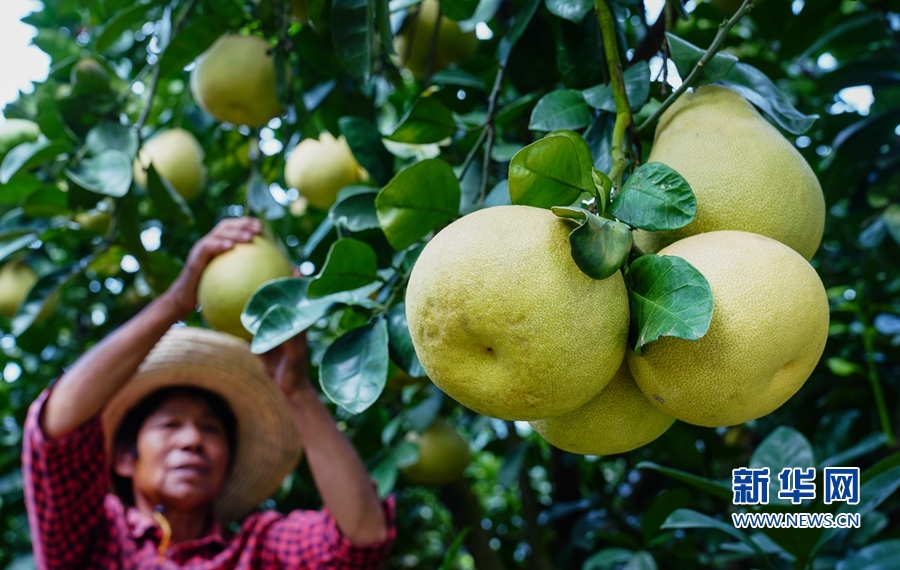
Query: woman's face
x,y
182,456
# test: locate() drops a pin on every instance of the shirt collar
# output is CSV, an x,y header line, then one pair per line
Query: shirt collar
x,y
140,524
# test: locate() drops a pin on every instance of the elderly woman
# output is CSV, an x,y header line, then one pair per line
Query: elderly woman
x,y
193,432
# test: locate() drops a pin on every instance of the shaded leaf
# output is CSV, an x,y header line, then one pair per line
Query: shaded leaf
x,y
655,198
112,136
15,244
260,198
400,342
562,109
669,297
599,246
279,324
117,25
417,200
354,368
759,90
108,173
45,203
876,556
43,295
716,488
192,40
355,209
350,264
364,141
784,447
26,155
352,32
170,206
287,291
457,10
428,121
637,89
572,10
686,56
449,560
687,518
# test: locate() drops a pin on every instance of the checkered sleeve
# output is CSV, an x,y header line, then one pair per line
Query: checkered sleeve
x,y
65,483
311,540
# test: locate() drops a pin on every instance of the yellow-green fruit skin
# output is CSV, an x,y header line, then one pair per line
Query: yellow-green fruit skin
x,y
235,81
319,168
505,323
178,157
230,279
443,455
768,331
14,132
413,44
618,419
16,280
745,175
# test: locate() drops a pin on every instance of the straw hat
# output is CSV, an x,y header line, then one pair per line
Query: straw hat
x,y
268,444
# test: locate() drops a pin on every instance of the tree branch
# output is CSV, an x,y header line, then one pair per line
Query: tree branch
x,y
694,75
623,110
466,512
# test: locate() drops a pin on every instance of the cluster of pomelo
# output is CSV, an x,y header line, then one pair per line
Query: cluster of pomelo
x,y
504,321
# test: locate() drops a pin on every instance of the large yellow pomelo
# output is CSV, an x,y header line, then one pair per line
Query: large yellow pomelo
x,y
16,280
618,419
319,168
177,156
230,279
413,43
505,323
745,174
443,455
235,81
768,330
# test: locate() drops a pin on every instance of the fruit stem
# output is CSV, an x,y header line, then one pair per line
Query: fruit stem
x,y
875,381
694,75
623,110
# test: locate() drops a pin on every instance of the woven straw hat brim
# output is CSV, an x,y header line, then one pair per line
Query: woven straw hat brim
x,y
268,444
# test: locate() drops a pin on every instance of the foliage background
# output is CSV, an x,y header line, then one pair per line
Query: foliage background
x,y
526,505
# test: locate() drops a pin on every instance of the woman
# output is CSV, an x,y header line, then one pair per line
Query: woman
x,y
199,432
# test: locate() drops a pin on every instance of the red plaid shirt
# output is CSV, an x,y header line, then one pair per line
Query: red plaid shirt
x,y
78,525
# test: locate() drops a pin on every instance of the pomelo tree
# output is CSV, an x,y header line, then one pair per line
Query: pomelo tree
x,y
547,104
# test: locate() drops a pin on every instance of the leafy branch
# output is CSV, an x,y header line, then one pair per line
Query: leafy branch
x,y
695,73
623,110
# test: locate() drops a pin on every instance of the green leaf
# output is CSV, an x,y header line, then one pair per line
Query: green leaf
x,y
457,10
715,488
655,198
194,38
562,109
784,447
287,291
608,559
637,89
383,19
603,184
669,297
15,244
350,264
260,198
449,560
867,445
422,415
599,246
686,56
428,121
108,173
402,455
352,33
400,343
876,556
641,560
687,518
112,136
572,10
45,203
553,171
759,90
354,368
117,25
170,206
278,324
364,141
523,17
891,217
512,465
417,200
26,155
18,187
355,209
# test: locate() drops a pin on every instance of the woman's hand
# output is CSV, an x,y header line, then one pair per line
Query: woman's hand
x,y
286,365
183,291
